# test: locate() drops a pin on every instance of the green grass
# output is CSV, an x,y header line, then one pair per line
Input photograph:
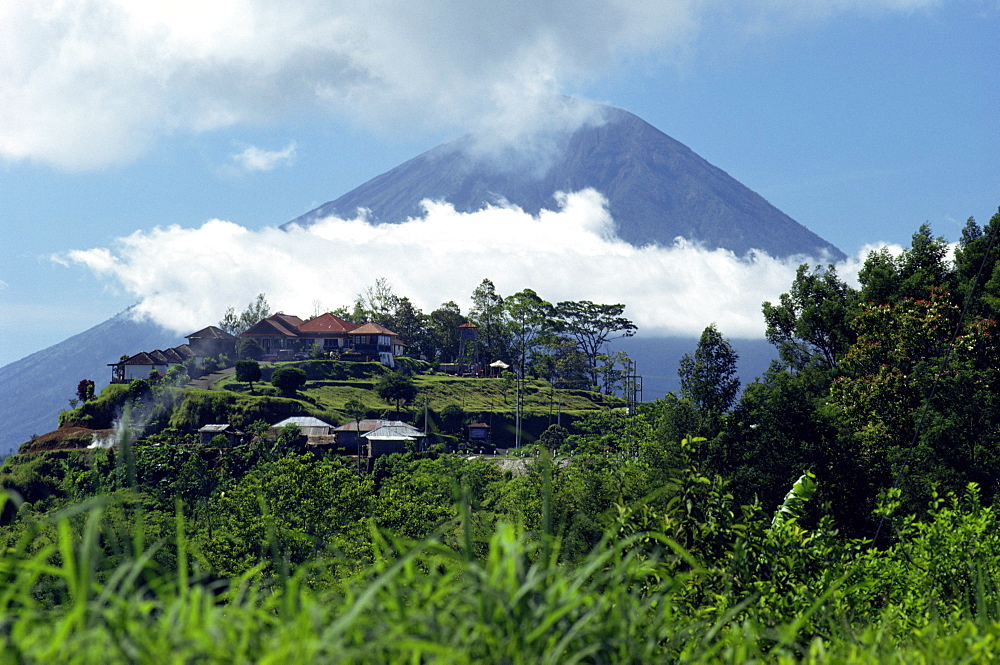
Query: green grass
x,y
421,602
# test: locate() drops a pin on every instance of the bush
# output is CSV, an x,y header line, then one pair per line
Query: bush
x,y
248,371
288,379
250,349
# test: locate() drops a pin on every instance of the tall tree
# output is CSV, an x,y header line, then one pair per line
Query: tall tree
x,y
592,325
528,317
411,325
906,370
378,302
913,274
811,321
234,323
489,314
396,387
709,377
444,332
248,371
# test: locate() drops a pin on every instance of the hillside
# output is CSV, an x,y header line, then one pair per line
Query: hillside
x,y
36,388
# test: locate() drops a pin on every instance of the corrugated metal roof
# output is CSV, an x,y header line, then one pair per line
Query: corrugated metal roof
x,y
394,433
302,421
220,429
366,425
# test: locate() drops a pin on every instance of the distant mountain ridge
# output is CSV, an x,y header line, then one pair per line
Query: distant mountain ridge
x,y
657,189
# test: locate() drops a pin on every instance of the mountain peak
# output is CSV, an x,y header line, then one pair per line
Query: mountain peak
x,y
657,188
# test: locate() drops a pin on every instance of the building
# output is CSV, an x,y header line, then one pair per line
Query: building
x,y
275,334
282,336
351,435
376,342
206,343
329,332
207,433
211,342
317,432
396,437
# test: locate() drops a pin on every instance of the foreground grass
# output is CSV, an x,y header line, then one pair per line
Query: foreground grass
x,y
633,599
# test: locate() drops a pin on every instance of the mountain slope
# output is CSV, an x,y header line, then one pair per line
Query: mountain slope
x,y
657,189
36,388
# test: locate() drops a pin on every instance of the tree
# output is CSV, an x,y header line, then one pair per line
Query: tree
x,y
709,377
489,314
528,317
378,303
554,437
444,332
913,274
811,321
288,380
560,361
396,387
234,323
452,418
913,398
85,390
247,371
411,325
592,325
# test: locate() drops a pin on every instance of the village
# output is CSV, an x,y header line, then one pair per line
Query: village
x,y
282,337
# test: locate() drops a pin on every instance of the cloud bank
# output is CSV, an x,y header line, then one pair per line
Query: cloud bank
x,y
185,278
88,83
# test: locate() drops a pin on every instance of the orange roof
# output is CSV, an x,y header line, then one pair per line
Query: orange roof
x,y
372,329
326,324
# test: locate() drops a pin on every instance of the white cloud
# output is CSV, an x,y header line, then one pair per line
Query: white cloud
x,y
257,159
88,83
187,277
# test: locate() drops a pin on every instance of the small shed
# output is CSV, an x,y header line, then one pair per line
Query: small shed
x,y
209,432
317,432
479,434
307,424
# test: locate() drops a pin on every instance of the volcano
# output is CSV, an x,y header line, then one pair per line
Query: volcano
x,y
657,189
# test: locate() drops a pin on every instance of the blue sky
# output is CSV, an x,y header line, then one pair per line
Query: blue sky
x,y
143,121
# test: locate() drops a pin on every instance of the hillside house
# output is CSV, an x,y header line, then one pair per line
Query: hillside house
x,y
206,343
276,334
377,342
330,332
281,336
396,437
210,342
350,435
316,431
